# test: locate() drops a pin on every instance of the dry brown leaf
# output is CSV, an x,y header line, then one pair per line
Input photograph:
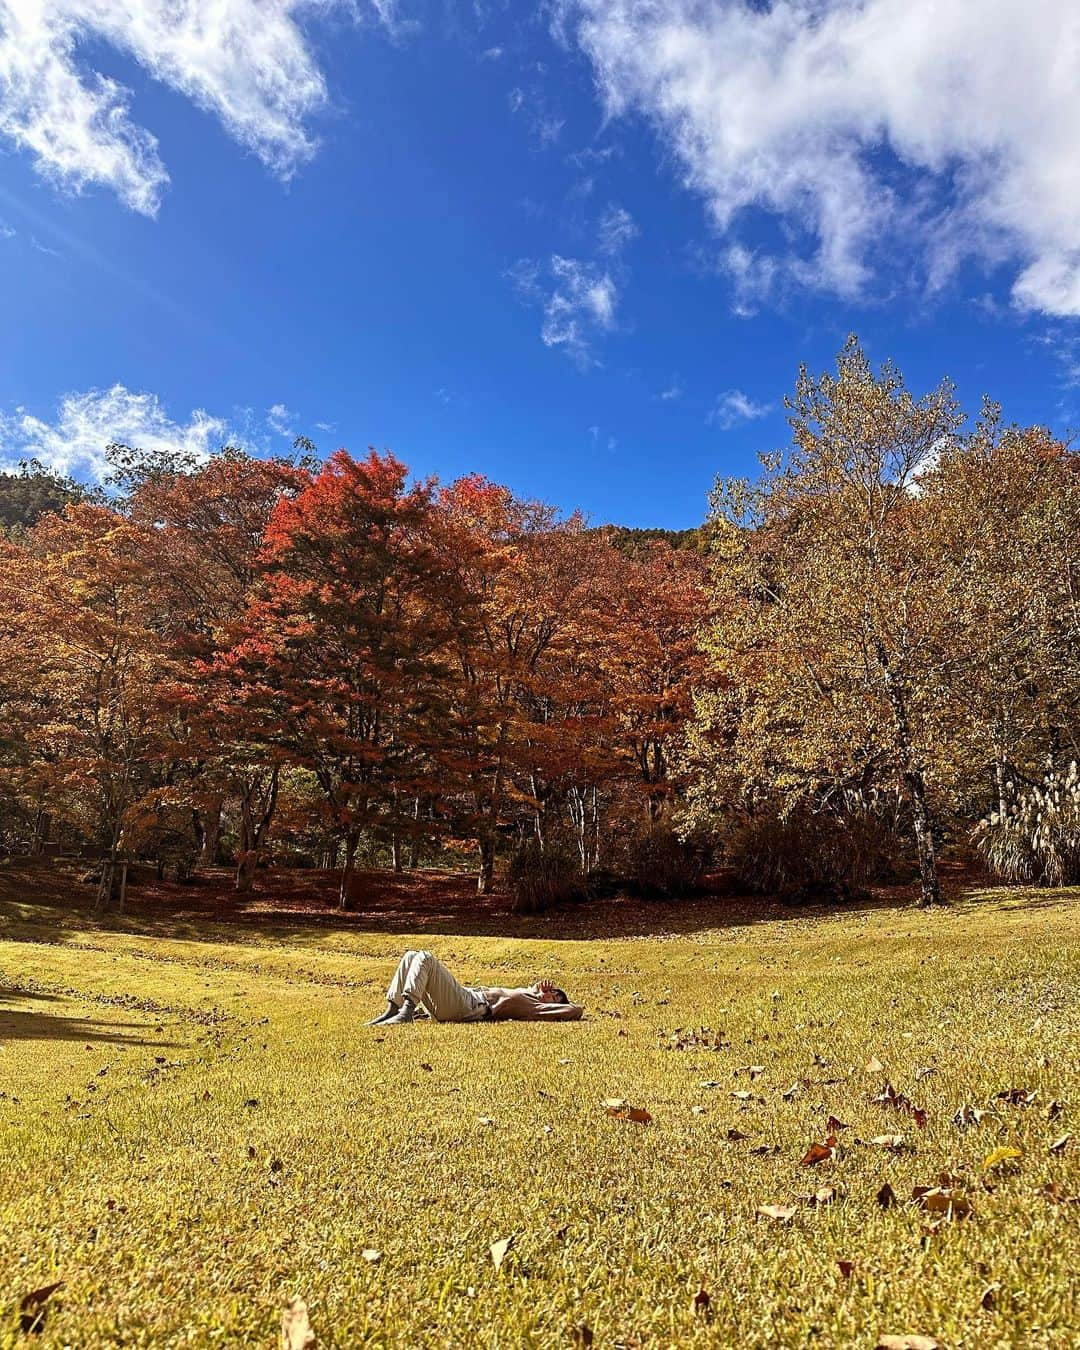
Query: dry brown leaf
x,y
499,1250
818,1153
924,1072
792,1092
34,1305
296,1332
846,1268
988,1301
908,1342
698,1111
886,1197
969,1115
735,1136
825,1196
1018,1096
624,1111
371,1255
874,1066
781,1213
1059,1145
701,1303
582,1335
943,1200
1053,1190
833,1126
1053,1110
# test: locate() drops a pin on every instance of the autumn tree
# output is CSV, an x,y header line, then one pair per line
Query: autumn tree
x,y
828,615
98,642
337,669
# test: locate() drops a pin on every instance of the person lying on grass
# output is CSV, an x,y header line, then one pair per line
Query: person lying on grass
x,y
421,978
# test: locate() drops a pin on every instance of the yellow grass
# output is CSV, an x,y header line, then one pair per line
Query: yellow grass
x,y
194,1130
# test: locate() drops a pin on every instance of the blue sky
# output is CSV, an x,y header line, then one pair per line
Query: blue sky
x,y
581,249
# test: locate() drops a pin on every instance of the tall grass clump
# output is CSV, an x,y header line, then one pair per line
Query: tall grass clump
x,y
1035,835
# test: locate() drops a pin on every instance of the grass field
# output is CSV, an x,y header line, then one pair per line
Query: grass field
x,y
195,1126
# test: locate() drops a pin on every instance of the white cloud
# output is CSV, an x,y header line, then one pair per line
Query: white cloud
x,y
616,229
279,419
942,125
491,54
245,61
673,391
578,300
74,442
579,297
734,407
6,232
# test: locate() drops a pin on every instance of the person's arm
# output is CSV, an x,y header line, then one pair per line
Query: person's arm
x,y
521,1006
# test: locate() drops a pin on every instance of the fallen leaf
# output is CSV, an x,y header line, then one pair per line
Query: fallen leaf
x,y
924,1072
1053,1190
251,1151
711,1083
893,1142
909,1342
371,1255
969,1115
735,1136
886,1197
427,1068
499,1250
943,1200
1053,1110
997,1156
698,1110
582,1335
832,1125
613,1103
1018,1096
874,1066
825,1196
485,1120
762,1150
296,1332
743,1096
792,1092
276,1165
846,1267
1059,1145
624,1111
701,1303
818,1153
33,1306
781,1213
988,1301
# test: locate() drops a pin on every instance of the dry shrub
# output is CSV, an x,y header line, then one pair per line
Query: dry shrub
x,y
1035,838
805,854
538,878
658,864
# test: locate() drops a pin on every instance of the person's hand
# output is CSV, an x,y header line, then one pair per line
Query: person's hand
x,y
545,987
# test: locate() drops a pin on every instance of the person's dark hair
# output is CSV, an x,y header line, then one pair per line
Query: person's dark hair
x,y
560,996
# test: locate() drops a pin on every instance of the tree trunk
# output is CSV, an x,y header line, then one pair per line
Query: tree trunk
x,y
486,876
42,825
395,853
247,860
915,784
347,870
414,845
208,834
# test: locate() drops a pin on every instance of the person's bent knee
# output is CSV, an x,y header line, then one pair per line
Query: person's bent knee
x,y
425,956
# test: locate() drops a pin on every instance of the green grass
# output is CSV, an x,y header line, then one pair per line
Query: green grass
x,y
194,1130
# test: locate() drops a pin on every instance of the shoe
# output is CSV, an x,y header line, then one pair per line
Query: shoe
x,y
391,1009
404,1014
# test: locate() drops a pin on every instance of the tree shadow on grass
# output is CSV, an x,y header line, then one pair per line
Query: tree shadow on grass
x,y
291,905
32,1024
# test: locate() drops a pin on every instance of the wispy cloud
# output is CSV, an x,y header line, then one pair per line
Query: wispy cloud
x,y
280,420
674,390
6,231
246,61
870,129
734,407
578,297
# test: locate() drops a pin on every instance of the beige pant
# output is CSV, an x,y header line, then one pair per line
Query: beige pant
x,y
423,978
